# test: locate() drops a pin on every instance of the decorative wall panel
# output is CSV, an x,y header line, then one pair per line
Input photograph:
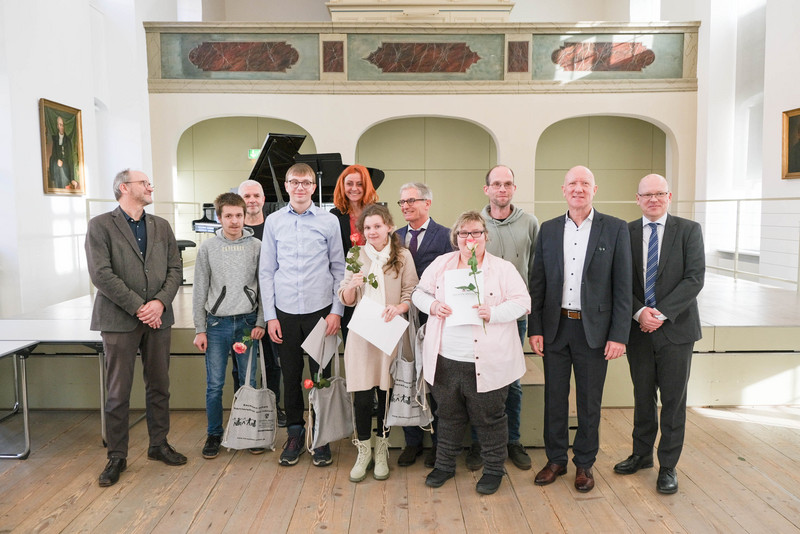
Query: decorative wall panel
x,y
240,56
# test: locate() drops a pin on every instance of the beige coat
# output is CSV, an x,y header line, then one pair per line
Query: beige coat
x,y
365,364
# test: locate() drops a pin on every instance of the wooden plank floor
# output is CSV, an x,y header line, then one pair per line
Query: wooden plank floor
x,y
740,472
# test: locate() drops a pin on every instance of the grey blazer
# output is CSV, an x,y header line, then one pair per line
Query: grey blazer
x,y
124,280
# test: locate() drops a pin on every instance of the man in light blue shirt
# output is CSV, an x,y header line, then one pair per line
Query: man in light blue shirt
x,y
302,264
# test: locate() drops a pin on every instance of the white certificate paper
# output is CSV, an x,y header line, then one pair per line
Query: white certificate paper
x,y
461,301
368,323
319,346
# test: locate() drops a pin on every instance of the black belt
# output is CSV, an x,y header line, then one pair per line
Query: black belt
x,y
571,314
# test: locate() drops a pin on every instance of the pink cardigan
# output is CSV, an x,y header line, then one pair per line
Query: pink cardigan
x,y
499,359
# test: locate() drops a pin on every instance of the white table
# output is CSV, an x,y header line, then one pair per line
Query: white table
x,y
58,332
19,350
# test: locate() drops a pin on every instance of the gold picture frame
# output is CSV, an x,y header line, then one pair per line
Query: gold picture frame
x,y
791,144
62,149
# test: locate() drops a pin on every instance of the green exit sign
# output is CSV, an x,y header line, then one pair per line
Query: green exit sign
x,y
253,153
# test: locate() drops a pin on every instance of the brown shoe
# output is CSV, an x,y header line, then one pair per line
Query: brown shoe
x,y
549,474
584,480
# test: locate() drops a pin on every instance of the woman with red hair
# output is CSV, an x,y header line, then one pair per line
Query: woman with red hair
x,y
353,192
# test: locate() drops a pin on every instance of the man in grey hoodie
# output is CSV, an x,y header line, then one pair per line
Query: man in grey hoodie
x,y
513,237
226,306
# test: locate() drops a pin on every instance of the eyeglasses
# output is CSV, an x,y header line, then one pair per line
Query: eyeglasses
x,y
145,182
648,196
409,201
476,233
498,185
305,184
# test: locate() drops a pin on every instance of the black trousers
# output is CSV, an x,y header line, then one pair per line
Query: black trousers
x,y
570,352
295,329
658,366
120,357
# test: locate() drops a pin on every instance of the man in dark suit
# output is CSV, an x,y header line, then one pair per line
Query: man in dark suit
x,y
426,240
668,274
580,319
134,263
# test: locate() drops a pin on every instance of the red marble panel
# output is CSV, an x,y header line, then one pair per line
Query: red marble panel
x,y
244,56
596,57
423,57
332,56
518,56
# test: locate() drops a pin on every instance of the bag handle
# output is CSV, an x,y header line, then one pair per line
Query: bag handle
x,y
250,363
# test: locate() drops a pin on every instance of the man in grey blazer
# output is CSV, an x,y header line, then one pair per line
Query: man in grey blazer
x,y
580,318
134,263
668,274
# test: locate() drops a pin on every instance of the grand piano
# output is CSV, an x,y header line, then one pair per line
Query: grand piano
x,y
280,151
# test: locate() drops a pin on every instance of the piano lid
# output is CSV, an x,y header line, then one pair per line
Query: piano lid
x,y
280,152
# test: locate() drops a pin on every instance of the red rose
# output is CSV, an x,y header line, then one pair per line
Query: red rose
x,y
308,383
239,347
354,238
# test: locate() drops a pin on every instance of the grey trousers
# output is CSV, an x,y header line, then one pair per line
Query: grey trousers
x,y
458,403
120,353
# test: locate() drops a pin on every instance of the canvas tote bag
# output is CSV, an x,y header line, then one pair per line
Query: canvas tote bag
x,y
252,423
333,410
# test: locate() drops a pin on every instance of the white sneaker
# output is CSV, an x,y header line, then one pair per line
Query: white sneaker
x,y
381,471
363,462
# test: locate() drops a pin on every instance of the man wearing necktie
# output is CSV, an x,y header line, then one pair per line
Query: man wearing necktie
x,y
668,272
426,240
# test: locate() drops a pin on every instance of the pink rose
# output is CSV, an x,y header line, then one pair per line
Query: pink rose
x,y
471,243
354,238
239,347
308,383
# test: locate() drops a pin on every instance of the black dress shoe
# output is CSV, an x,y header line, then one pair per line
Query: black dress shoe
x,y
409,455
165,453
488,484
110,474
633,463
667,480
438,477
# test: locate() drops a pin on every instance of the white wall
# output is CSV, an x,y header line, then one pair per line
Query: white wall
x,y
89,55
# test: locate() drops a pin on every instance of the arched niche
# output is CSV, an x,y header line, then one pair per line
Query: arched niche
x,y
618,150
213,154
449,155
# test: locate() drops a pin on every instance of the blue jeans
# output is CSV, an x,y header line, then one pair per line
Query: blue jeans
x,y
222,333
514,399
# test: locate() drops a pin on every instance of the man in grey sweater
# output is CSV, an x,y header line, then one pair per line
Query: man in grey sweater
x,y
226,306
512,236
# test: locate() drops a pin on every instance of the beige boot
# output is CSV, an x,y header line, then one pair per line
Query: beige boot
x,y
381,471
363,462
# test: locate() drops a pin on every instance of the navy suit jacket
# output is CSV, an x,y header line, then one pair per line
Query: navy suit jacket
x,y
435,242
605,287
681,273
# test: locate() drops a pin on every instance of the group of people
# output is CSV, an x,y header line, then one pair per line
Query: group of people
x,y
583,287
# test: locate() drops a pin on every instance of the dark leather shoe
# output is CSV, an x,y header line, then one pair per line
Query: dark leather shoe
x,y
409,455
437,478
667,480
110,474
165,453
584,479
549,474
633,463
488,484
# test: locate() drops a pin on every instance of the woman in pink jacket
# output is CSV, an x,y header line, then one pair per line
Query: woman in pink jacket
x,y
469,366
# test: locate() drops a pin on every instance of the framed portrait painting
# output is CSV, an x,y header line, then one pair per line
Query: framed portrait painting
x,y
62,148
791,144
